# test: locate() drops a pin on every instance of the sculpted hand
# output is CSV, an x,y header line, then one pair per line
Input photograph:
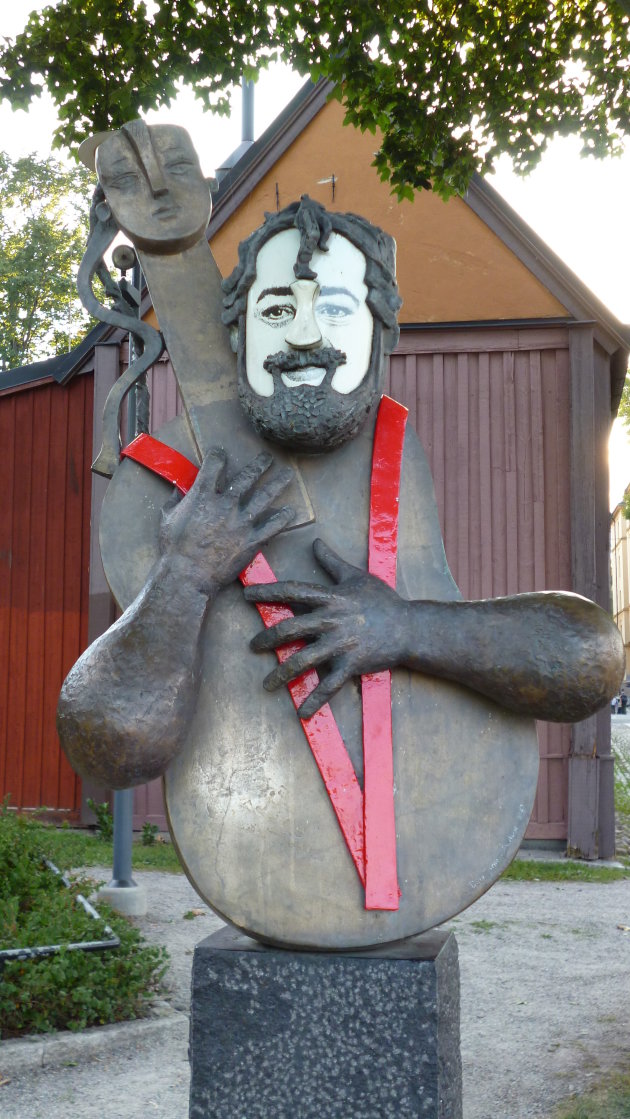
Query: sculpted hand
x,y
218,527
354,627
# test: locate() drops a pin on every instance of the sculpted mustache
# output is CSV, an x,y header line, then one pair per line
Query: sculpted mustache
x,y
284,362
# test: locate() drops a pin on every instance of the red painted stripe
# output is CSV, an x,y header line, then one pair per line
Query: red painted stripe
x,y
162,460
381,879
321,730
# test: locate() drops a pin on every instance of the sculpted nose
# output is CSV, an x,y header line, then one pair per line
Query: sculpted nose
x,y
304,333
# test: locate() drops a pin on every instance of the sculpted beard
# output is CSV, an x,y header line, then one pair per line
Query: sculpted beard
x,y
312,417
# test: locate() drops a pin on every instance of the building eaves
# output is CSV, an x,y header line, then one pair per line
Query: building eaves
x,y
59,368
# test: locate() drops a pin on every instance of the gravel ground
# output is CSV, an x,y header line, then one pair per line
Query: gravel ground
x,y
545,991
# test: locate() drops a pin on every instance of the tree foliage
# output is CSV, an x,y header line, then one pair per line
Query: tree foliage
x,y
43,227
448,84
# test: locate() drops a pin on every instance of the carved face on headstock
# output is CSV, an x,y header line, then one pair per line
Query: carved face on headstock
x,y
154,186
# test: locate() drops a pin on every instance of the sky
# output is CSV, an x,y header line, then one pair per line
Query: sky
x,y
578,206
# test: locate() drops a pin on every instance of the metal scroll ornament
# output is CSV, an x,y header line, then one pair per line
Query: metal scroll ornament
x,y
149,344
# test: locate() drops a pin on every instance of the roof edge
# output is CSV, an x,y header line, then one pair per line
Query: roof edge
x,y
542,261
59,368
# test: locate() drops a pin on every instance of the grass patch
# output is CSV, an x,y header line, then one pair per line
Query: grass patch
x,y
607,1101
532,870
70,989
67,848
484,926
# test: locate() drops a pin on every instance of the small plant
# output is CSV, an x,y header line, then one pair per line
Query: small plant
x,y
72,989
190,914
149,834
104,818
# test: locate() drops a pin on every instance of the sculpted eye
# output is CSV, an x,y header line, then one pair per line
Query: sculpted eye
x,y
334,312
276,314
179,167
336,307
126,179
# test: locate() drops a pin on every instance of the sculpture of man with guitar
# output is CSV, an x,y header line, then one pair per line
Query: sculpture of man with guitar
x,y
402,786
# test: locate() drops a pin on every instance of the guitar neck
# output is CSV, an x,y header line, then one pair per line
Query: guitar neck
x,y
186,293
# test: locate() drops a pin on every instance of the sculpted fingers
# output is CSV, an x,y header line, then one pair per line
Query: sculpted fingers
x,y
211,476
246,478
308,657
258,500
332,563
300,594
325,690
274,524
293,629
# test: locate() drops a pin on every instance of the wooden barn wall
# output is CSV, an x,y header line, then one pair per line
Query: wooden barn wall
x,y
45,435
591,767
491,409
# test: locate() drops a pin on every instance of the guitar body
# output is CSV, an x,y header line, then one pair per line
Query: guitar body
x,y
247,807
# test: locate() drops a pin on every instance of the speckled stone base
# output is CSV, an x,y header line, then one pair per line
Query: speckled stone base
x,y
279,1034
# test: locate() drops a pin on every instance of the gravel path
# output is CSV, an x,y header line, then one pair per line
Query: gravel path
x,y
545,992
545,995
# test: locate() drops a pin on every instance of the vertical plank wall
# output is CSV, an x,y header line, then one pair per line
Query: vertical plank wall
x,y
45,435
492,411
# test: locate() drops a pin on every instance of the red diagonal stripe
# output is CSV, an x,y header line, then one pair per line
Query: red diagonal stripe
x,y
321,730
162,460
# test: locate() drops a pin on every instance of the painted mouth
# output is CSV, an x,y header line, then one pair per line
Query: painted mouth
x,y
311,375
308,368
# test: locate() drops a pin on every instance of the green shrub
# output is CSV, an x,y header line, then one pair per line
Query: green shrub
x,y
72,989
149,833
104,818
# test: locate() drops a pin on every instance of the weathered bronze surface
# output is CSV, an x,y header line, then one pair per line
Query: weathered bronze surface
x,y
248,810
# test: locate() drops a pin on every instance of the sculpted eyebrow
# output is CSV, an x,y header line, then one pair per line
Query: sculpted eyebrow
x,y
125,162
274,291
340,291
180,153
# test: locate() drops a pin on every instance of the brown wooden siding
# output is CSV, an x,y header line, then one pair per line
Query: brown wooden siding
x,y
492,412
45,435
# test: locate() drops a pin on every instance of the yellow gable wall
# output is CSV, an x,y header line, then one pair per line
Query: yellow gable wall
x,y
450,265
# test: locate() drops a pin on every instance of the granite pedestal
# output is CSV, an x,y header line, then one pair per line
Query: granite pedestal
x,y
280,1034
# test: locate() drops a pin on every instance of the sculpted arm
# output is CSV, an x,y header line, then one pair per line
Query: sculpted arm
x,y
550,655
125,706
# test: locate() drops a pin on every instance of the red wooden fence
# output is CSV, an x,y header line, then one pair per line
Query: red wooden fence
x,y
46,441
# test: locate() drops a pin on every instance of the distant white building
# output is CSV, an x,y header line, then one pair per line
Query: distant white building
x,y
620,570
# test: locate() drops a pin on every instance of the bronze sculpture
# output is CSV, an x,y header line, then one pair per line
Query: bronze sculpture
x,y
248,810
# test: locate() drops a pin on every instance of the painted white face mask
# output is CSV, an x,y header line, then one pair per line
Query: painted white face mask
x,y
308,317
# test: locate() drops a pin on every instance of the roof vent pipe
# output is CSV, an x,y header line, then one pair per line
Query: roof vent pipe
x,y
247,127
247,130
